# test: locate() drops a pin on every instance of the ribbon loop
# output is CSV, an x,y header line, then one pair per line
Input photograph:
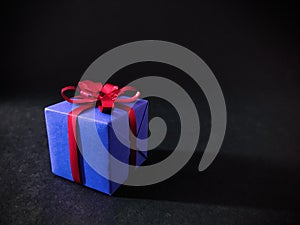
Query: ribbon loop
x,y
90,88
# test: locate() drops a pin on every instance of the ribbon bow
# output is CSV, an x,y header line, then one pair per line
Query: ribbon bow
x,y
104,96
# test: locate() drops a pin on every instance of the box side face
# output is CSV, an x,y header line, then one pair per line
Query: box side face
x,y
120,152
141,143
118,144
57,130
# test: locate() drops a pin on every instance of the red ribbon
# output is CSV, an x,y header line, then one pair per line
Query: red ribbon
x,y
105,97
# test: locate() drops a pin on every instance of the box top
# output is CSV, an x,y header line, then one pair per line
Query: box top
x,y
94,113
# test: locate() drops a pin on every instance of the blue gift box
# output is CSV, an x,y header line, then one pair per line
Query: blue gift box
x,y
57,129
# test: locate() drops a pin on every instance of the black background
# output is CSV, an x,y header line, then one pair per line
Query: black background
x,y
253,50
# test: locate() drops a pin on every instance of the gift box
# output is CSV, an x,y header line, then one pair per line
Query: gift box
x,y
94,127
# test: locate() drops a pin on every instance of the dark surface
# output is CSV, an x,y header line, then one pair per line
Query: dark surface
x,y
253,50
245,185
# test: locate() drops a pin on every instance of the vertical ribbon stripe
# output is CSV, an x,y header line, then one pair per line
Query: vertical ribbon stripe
x,y
72,135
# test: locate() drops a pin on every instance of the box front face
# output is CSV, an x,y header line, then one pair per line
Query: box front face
x,y
88,142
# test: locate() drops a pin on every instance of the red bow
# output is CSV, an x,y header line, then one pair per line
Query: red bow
x,y
94,92
104,96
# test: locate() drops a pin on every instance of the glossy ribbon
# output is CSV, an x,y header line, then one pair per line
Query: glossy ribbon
x,y
104,97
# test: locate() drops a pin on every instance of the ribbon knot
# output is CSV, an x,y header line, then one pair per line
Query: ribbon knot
x,y
103,95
